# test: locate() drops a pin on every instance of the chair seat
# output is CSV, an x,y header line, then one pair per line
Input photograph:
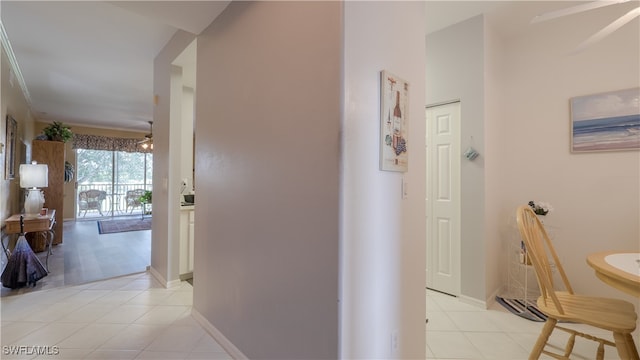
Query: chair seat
x,y
605,313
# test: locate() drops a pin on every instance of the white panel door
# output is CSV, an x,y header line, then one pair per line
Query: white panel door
x,y
443,198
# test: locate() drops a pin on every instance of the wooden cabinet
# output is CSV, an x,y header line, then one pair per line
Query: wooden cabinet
x,y
52,153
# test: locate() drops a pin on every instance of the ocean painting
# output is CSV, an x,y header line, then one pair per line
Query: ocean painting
x,y
606,122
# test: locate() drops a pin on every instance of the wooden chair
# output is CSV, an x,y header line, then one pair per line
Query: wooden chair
x,y
132,199
617,316
91,200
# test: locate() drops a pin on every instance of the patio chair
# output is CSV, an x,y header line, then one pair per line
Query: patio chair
x,y
617,316
132,199
91,200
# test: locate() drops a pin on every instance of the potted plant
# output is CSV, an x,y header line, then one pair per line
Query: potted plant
x,y
540,208
58,132
146,197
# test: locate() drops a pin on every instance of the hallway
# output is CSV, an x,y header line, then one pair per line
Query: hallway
x,y
130,317
85,255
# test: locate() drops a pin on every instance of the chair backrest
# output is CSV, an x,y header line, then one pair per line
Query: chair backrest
x,y
133,196
540,251
95,195
92,195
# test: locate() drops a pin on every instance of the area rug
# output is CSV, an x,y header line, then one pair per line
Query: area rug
x,y
528,311
116,226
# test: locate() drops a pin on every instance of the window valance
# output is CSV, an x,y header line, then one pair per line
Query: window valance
x,y
98,142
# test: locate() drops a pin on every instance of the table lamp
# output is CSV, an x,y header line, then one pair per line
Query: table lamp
x,y
33,176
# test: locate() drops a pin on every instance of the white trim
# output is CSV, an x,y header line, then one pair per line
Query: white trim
x,y
447,102
167,284
156,275
492,299
173,283
217,336
473,301
14,63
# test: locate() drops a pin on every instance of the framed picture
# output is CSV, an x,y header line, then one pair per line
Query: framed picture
x,y
394,118
10,156
606,122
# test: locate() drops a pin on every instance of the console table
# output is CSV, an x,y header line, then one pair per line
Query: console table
x,y
45,223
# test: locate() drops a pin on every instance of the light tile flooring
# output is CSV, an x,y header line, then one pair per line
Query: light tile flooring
x,y
457,330
133,317
130,317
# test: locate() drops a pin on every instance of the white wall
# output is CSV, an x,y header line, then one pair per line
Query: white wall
x,y
596,196
515,95
268,116
383,236
186,138
166,171
455,70
495,91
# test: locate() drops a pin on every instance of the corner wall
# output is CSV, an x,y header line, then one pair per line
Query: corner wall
x,y
268,110
526,87
456,70
166,164
383,235
596,196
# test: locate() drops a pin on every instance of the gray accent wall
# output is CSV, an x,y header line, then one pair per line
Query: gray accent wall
x,y
268,110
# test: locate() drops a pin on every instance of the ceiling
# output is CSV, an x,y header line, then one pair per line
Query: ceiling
x,y
91,62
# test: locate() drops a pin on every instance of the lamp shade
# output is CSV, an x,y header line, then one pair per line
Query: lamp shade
x,y
34,175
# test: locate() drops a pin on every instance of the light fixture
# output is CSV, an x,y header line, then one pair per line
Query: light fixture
x,y
147,142
32,177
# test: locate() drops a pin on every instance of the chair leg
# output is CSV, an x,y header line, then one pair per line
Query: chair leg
x,y
631,346
625,346
549,325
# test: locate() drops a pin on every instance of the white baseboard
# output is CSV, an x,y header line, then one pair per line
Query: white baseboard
x,y
492,298
156,275
217,336
472,301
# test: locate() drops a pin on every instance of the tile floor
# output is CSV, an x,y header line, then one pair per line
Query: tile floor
x,y
133,317
457,330
130,317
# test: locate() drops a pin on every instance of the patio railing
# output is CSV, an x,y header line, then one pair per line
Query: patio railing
x,y
115,203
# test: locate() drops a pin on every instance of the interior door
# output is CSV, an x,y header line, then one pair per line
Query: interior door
x,y
443,197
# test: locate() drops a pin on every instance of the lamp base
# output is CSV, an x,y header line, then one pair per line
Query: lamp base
x,y
33,203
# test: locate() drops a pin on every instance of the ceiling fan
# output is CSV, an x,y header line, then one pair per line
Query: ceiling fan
x,y
604,32
147,142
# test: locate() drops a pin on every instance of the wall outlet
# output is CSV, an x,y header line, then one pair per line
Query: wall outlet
x,y
405,189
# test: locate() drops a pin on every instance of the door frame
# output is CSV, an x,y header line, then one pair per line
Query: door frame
x,y
454,288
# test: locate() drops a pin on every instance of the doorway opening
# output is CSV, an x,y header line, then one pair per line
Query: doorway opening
x,y
109,183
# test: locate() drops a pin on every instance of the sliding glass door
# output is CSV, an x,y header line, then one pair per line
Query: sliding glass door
x,y
105,178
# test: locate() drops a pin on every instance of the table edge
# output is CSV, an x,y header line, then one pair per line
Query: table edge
x,y
598,263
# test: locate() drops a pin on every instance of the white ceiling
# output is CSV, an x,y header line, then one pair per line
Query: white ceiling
x,y
91,62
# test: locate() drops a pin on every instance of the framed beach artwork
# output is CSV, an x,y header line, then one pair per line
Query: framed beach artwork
x,y
606,122
394,118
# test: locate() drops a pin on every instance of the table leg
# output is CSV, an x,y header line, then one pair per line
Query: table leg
x,y
51,236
